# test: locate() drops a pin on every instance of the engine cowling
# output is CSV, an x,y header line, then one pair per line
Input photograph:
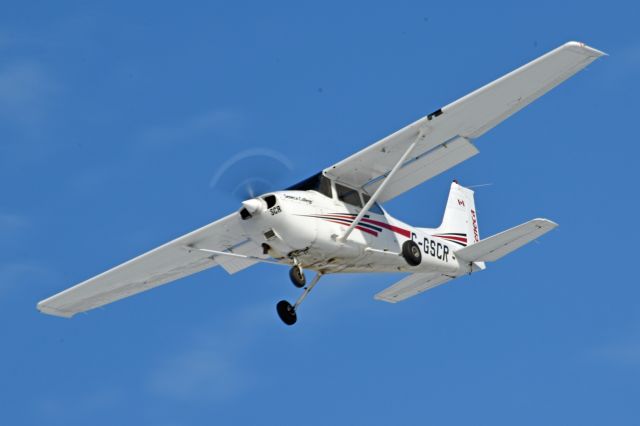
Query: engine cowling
x,y
279,222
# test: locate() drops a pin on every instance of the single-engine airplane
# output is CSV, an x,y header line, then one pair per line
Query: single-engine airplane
x,y
333,222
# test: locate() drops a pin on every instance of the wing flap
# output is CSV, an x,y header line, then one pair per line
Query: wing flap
x,y
233,265
410,286
162,265
498,245
469,117
424,167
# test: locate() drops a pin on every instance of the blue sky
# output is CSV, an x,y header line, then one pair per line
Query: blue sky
x,y
115,117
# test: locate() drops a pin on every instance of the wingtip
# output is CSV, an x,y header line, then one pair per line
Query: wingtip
x,y
546,222
43,308
382,298
585,48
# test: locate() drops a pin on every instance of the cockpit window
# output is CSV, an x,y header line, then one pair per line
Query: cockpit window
x,y
318,183
375,208
348,195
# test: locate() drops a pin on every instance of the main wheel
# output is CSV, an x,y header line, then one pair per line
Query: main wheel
x,y
297,277
286,312
411,253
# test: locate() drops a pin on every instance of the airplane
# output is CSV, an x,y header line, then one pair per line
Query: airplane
x,y
333,222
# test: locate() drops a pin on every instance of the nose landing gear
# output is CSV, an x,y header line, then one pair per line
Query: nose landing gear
x,y
297,276
296,273
287,311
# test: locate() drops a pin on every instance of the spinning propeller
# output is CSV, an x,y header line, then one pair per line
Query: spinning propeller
x,y
251,173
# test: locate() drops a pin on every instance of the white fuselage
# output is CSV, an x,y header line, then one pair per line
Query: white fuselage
x,y
307,225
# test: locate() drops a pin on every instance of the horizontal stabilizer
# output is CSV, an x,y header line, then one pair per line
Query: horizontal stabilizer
x,y
499,245
411,286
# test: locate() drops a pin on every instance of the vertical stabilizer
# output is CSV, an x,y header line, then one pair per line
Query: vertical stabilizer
x,y
460,221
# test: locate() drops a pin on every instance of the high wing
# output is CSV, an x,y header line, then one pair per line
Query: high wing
x,y
499,245
164,264
448,132
411,286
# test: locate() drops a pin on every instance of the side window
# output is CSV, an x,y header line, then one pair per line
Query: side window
x,y
375,208
348,195
324,187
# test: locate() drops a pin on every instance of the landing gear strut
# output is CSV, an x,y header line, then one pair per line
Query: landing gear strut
x,y
287,311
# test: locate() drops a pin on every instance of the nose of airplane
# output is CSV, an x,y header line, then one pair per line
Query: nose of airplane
x,y
252,205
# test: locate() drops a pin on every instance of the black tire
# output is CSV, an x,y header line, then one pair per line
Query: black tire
x,y
297,277
286,312
411,253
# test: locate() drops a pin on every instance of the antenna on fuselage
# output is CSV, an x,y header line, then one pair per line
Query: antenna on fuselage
x,y
480,185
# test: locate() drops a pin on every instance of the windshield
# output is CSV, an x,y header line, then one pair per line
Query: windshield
x,y
316,182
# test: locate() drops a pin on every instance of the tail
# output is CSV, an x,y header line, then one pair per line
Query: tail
x,y
460,221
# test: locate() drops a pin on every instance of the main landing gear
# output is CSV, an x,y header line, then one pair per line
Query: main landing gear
x,y
411,253
287,311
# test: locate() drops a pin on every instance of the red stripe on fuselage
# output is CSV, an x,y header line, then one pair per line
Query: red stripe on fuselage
x,y
401,231
446,237
360,228
397,230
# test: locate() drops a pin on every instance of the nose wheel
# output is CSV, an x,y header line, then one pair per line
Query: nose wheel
x,y
297,276
287,311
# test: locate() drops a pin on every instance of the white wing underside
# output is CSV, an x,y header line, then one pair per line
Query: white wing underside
x,y
450,130
159,266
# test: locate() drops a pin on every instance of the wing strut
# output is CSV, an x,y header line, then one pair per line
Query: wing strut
x,y
374,197
235,255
